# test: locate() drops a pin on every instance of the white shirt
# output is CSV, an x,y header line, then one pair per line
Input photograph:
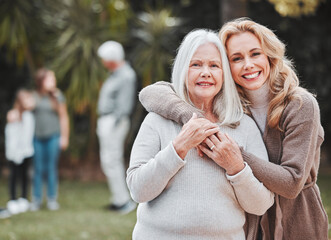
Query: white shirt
x,y
19,138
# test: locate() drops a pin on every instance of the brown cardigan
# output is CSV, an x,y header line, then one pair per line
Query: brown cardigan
x,y
294,155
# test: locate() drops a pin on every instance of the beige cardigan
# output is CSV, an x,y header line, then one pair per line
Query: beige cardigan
x,y
294,155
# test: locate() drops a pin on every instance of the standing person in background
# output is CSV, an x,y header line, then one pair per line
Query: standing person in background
x,y
51,135
116,102
19,132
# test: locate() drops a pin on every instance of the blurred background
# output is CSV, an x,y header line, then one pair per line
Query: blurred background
x,y
64,35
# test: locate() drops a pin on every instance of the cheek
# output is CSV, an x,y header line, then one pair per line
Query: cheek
x,y
192,76
219,77
237,81
236,75
235,69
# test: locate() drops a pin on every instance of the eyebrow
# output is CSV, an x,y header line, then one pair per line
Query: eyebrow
x,y
211,60
255,49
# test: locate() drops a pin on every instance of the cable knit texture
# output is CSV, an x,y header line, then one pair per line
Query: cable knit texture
x,y
294,156
259,99
192,198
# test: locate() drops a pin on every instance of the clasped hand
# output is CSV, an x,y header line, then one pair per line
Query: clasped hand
x,y
224,151
207,138
193,133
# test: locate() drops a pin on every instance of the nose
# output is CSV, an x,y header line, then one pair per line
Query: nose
x,y
248,64
205,73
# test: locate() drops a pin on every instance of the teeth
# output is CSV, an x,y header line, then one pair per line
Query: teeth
x,y
204,84
254,75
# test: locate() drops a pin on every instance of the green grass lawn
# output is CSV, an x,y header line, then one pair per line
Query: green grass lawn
x,y
82,215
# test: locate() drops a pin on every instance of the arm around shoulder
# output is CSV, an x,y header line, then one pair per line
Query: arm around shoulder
x,y
162,99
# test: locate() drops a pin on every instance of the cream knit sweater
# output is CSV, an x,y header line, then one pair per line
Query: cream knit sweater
x,y
192,198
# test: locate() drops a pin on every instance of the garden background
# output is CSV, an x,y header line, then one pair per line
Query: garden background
x,y
64,35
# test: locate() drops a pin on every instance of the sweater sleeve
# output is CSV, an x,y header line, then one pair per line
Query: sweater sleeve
x,y
303,136
162,99
252,195
151,167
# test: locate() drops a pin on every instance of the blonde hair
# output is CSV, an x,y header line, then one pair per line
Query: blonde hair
x,y
226,105
283,81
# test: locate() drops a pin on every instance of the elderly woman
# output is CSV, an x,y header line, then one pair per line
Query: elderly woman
x,y
182,195
288,117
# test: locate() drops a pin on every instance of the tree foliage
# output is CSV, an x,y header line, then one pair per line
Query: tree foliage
x,y
64,35
296,8
155,32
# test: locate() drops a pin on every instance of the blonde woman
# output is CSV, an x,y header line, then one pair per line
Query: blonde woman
x,y
182,195
288,117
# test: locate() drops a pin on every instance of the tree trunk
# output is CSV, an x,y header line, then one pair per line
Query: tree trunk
x,y
230,9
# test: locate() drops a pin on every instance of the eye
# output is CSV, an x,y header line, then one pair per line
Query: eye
x,y
214,65
236,59
195,64
256,54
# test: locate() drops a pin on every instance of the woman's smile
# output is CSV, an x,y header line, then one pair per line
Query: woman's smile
x,y
205,75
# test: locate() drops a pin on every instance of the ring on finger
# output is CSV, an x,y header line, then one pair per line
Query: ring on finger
x,y
211,148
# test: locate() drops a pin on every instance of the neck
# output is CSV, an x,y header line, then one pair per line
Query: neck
x,y
211,116
207,108
118,65
259,98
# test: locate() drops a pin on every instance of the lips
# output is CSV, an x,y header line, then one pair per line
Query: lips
x,y
251,76
205,84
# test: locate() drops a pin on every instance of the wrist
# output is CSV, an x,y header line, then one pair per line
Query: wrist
x,y
180,149
233,170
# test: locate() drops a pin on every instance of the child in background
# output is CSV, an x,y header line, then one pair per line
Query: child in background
x,y
19,132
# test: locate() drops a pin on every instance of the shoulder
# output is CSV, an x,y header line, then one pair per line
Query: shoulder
x,y
305,100
35,95
13,115
155,119
302,108
161,125
247,122
27,115
129,72
59,95
247,127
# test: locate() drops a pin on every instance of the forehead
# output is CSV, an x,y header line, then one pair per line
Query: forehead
x,y
238,42
207,50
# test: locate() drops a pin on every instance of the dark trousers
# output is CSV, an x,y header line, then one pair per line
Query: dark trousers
x,y
19,177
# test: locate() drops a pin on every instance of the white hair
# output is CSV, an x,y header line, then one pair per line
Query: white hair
x,y
111,51
226,105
